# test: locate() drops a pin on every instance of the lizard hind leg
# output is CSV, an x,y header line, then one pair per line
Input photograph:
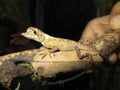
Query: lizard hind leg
x,y
79,53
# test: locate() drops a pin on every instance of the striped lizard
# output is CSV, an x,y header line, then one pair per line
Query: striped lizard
x,y
55,43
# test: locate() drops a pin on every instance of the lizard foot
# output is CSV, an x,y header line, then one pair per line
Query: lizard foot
x,y
92,65
48,52
43,55
79,54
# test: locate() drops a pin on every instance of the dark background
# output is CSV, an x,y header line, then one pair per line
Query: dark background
x,y
17,15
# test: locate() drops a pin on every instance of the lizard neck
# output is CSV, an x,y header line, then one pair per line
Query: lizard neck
x,y
45,38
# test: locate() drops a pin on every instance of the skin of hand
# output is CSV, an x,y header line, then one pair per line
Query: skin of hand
x,y
99,26
114,20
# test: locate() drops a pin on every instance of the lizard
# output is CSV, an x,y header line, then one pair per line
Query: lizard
x,y
55,43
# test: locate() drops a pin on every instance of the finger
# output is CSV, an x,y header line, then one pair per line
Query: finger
x,y
16,35
88,32
17,41
96,28
115,17
113,58
13,40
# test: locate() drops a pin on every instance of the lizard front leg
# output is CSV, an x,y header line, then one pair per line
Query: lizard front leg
x,y
54,49
51,50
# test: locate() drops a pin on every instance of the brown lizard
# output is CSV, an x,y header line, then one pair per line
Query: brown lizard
x,y
55,43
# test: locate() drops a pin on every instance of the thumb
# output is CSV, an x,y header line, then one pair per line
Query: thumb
x,y
114,20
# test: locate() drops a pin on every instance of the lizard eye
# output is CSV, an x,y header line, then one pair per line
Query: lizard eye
x,y
34,32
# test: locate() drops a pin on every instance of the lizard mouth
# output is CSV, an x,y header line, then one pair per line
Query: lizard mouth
x,y
29,34
34,34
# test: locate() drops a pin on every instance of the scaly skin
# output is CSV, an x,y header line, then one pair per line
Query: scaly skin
x,y
55,43
51,42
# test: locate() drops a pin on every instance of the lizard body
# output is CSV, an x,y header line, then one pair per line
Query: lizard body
x,y
52,42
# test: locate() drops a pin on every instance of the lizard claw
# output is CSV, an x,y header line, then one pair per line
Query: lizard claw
x,y
85,55
79,54
45,54
45,51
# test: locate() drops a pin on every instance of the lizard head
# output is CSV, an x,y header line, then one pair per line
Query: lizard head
x,y
34,34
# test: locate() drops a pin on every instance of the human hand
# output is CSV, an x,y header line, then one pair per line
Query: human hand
x,y
99,26
19,40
